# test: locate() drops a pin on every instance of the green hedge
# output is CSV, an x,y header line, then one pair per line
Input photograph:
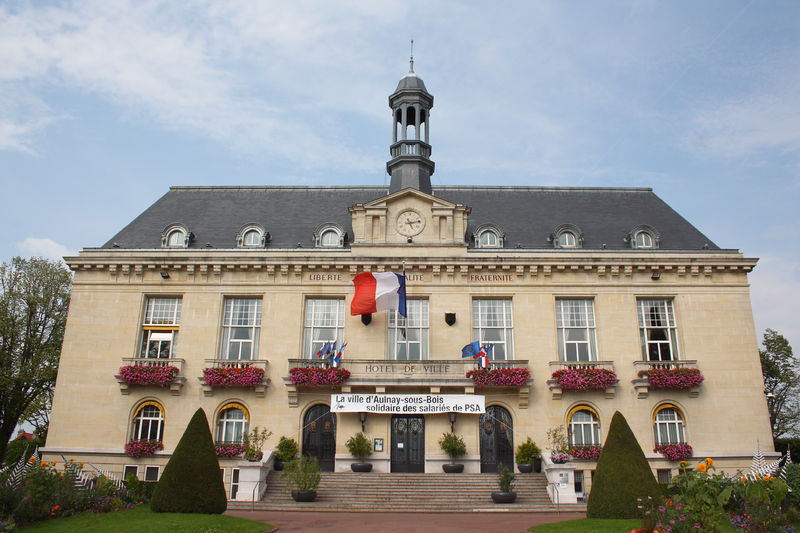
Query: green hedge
x,y
781,445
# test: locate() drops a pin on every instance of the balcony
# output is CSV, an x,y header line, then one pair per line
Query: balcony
x,y
243,373
380,376
557,390
642,383
149,372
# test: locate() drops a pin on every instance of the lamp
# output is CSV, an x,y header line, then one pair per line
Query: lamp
x,y
656,275
363,417
164,274
452,416
449,318
366,319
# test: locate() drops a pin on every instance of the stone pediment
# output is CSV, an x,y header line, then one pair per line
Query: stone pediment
x,y
409,216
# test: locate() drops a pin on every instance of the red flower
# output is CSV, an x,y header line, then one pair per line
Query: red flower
x,y
500,377
148,375
224,376
317,376
585,378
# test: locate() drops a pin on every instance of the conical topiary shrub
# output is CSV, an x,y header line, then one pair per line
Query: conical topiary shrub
x,y
192,480
622,475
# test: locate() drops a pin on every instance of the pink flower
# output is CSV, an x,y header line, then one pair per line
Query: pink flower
x,y
317,376
224,376
143,447
148,375
582,379
228,450
674,452
672,378
588,453
500,377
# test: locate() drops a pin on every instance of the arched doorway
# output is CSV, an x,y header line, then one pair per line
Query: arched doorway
x,y
497,439
408,443
319,436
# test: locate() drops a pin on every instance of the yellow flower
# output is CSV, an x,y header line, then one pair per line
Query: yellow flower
x,y
702,467
709,461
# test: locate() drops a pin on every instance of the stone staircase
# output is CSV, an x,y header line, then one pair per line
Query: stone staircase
x,y
382,492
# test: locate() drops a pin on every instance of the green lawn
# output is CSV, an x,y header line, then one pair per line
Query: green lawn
x,y
589,525
142,520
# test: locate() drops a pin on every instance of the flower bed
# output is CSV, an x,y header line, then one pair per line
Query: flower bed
x,y
224,376
143,447
674,452
500,377
148,375
585,378
587,453
318,377
228,450
672,378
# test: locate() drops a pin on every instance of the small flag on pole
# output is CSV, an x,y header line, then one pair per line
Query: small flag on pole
x,y
336,357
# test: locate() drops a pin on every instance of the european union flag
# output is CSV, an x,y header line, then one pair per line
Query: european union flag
x,y
471,350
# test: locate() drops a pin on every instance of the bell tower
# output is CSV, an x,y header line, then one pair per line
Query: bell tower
x,y
411,164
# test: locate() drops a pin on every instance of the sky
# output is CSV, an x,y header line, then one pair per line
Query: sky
x,y
104,104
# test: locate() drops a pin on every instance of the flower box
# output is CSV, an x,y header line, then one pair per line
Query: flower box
x,y
581,379
559,458
674,452
162,376
317,376
672,378
229,450
223,376
500,377
586,453
143,447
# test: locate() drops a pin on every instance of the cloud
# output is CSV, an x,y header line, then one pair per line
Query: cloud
x,y
43,247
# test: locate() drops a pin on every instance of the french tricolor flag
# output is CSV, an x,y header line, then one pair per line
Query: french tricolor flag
x,y
379,291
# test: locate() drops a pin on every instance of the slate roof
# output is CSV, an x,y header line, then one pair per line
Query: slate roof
x,y
527,215
411,81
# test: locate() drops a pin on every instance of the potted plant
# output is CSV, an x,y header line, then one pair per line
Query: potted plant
x,y
285,451
529,457
254,442
453,445
302,475
559,447
505,481
360,447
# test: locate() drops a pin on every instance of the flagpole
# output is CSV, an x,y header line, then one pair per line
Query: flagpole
x,y
405,318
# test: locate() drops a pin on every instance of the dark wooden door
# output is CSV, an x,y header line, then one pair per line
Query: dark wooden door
x,y
408,443
319,436
497,439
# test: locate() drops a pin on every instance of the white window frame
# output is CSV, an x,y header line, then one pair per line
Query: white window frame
x,y
584,427
402,329
135,472
658,332
148,469
145,418
488,238
574,315
669,426
567,239
160,326
326,241
240,315
234,482
502,324
323,322
229,424
252,238
644,239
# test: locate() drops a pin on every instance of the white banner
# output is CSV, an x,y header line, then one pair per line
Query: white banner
x,y
407,403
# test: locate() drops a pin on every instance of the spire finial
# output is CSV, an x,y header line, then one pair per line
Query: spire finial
x,y
412,56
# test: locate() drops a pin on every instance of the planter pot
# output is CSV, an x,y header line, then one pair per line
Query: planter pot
x,y
504,497
537,465
361,467
304,495
277,464
452,468
525,468
254,458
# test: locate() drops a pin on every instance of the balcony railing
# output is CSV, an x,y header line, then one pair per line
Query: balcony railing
x,y
641,383
409,147
380,375
174,387
260,388
556,390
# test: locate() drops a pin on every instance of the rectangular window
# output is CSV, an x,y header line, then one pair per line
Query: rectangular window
x,y
241,324
576,339
664,476
324,322
130,469
408,337
579,482
234,482
151,473
162,319
658,331
492,323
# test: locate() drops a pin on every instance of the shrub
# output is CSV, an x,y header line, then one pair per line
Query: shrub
x,y
527,452
756,504
139,491
302,473
254,443
791,445
19,447
793,481
225,376
359,446
453,445
675,452
500,377
505,479
581,379
287,449
622,475
318,377
672,378
148,375
192,480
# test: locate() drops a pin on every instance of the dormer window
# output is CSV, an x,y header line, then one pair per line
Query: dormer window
x,y
643,237
175,236
567,236
252,236
329,236
488,236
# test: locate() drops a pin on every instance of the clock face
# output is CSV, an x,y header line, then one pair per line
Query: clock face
x,y
410,223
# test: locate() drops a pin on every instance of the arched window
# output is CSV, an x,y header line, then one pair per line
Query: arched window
x,y
583,426
668,425
233,423
567,240
175,236
488,236
329,235
148,422
329,238
644,240
251,236
643,236
567,236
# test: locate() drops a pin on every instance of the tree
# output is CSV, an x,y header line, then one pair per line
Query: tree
x,y
192,479
781,384
34,297
622,475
